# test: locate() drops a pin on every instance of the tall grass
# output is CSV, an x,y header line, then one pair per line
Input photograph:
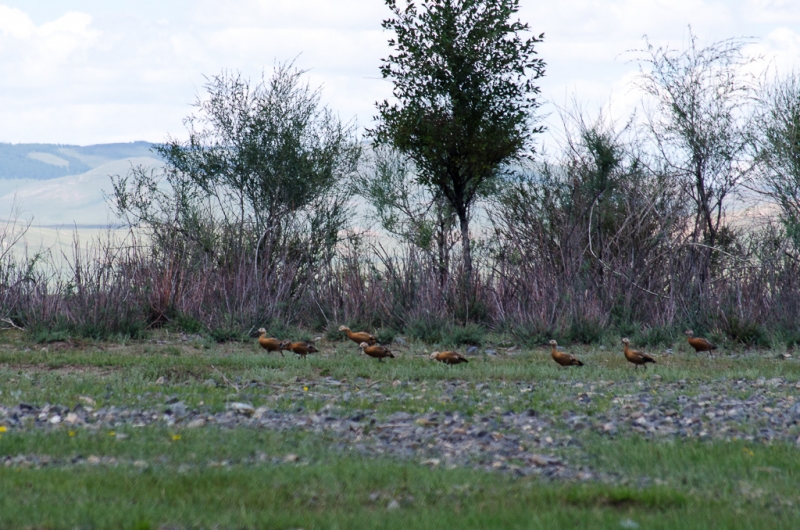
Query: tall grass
x,y
113,288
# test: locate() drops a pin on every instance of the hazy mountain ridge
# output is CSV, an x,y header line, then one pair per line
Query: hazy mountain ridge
x,y
50,161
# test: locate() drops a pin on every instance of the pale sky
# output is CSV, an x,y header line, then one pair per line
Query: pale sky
x,y
91,71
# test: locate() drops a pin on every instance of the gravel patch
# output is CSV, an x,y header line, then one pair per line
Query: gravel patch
x,y
526,443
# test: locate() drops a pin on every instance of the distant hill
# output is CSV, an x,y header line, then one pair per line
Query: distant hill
x,y
50,161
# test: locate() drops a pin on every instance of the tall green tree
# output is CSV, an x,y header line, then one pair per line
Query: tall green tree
x,y
700,125
262,165
464,96
777,146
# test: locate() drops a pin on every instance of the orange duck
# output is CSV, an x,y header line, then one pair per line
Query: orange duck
x,y
636,357
698,343
268,343
359,336
376,352
564,359
448,357
301,348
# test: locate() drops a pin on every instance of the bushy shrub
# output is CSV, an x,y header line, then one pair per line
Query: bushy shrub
x,y
471,334
654,336
746,332
428,330
385,335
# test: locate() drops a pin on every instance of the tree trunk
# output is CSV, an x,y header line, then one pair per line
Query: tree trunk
x,y
465,244
444,253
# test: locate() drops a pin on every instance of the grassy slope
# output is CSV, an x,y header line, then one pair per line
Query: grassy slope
x,y
690,484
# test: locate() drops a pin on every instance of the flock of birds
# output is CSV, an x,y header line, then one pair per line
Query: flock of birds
x,y
369,345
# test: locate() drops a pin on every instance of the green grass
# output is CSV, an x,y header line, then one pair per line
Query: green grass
x,y
699,486
239,478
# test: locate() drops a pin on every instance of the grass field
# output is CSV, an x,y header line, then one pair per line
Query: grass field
x,y
180,432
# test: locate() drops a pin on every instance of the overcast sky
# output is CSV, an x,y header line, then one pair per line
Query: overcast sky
x,y
92,71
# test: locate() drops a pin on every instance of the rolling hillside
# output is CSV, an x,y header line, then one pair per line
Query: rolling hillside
x,y
49,161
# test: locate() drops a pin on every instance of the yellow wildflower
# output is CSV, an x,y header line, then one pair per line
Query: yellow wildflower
x,y
176,437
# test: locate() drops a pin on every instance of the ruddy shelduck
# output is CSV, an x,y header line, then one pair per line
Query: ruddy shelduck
x,y
636,357
564,359
376,352
448,357
359,336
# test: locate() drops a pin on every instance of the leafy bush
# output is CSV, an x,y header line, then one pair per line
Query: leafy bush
x,y
472,334
533,334
654,336
747,332
187,323
585,331
385,335
429,330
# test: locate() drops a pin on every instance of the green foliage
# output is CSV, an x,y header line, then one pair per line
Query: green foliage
x,y
187,323
472,334
533,334
101,329
701,127
259,176
430,330
585,331
747,332
464,86
777,144
385,335
654,336
227,333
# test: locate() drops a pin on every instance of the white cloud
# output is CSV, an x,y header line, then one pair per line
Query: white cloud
x,y
15,23
115,72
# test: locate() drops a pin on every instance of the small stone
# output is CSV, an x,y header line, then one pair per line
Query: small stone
x,y
433,462
94,460
161,380
491,352
177,409
195,424
393,505
210,383
242,408
55,419
400,341
87,400
628,523
539,460
290,458
73,418
141,464
472,349
785,356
